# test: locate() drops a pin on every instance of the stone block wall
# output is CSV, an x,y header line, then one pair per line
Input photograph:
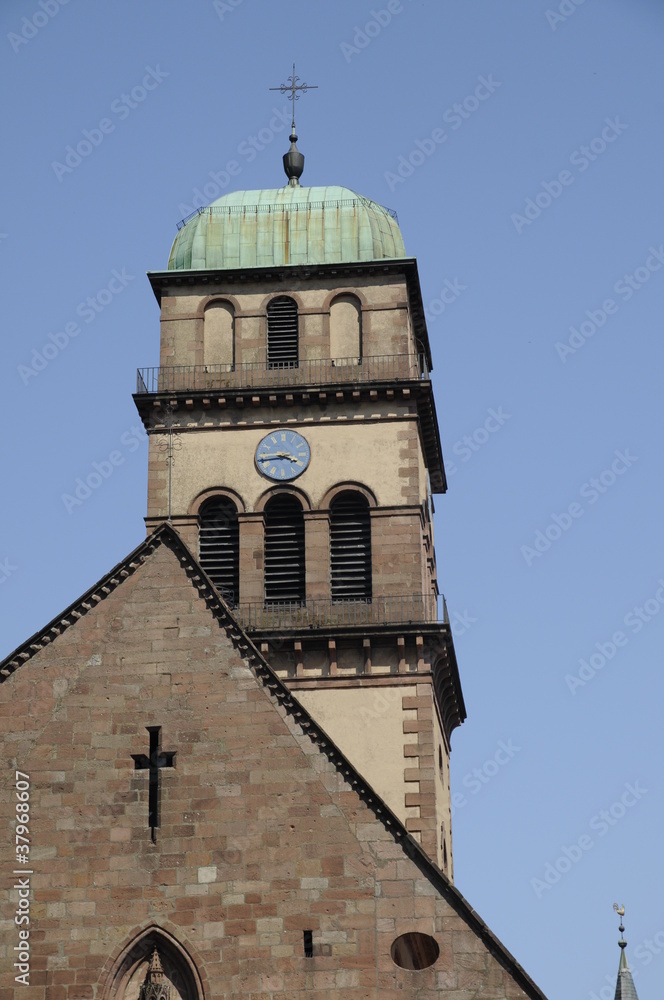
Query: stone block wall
x,y
264,832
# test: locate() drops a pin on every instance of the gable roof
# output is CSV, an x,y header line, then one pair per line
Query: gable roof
x,y
165,534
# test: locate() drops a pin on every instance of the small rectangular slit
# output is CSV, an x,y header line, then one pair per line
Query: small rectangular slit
x,y
308,944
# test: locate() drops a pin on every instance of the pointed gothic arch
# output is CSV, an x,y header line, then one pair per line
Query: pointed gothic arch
x,y
129,971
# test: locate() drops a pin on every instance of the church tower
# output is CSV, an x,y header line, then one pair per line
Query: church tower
x,y
294,446
226,763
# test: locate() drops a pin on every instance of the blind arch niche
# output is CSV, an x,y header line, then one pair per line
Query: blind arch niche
x,y
346,329
219,335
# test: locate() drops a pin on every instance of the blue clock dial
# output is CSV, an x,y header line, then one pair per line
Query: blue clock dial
x,y
282,455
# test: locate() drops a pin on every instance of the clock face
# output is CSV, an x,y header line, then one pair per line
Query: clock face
x,y
282,455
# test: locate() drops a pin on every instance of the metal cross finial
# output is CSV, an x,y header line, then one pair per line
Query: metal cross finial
x,y
294,86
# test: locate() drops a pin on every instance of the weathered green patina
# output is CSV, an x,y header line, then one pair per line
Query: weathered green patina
x,y
288,225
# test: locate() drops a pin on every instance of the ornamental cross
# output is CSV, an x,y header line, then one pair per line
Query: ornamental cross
x,y
154,763
294,86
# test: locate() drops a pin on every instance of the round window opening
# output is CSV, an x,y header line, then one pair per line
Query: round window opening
x,y
414,951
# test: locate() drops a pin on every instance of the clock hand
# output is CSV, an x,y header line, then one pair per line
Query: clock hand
x,y
278,455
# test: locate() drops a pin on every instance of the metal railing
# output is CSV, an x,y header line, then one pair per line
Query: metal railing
x,y
260,374
284,210
399,610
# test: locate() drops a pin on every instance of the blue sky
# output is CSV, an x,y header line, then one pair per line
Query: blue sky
x,y
521,144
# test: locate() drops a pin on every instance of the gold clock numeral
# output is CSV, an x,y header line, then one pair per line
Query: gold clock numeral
x,y
273,470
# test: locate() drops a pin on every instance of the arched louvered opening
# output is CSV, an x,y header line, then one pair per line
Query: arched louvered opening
x,y
282,333
350,547
284,550
219,546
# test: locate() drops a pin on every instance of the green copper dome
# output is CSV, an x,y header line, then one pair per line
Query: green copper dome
x,y
288,225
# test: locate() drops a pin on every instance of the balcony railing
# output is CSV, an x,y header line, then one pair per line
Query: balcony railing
x,y
399,610
259,374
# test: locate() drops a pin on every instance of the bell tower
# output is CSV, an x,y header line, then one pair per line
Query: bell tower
x,y
295,448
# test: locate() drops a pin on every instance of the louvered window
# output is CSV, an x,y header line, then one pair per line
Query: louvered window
x,y
219,546
282,333
284,550
350,547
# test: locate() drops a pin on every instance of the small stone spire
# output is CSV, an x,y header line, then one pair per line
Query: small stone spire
x,y
625,989
155,985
